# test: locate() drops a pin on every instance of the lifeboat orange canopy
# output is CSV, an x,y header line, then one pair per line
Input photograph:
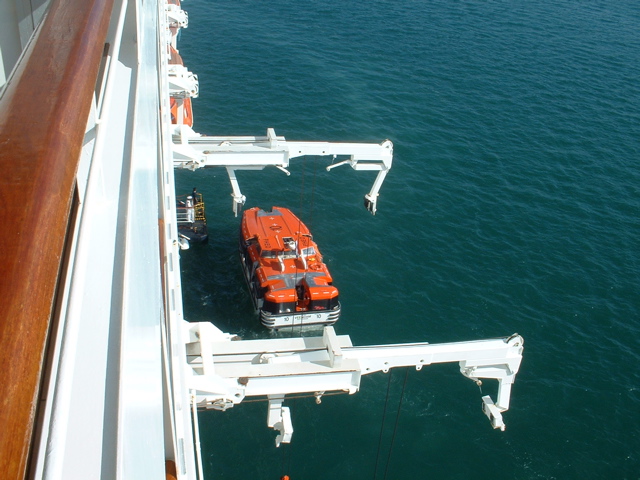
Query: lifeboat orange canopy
x,y
181,111
289,283
174,57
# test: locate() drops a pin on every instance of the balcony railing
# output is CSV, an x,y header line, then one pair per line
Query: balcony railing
x,y
43,115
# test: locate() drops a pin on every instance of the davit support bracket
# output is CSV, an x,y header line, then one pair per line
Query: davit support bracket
x,y
279,419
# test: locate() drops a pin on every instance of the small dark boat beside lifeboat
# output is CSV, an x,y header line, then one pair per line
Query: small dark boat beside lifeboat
x,y
192,221
288,282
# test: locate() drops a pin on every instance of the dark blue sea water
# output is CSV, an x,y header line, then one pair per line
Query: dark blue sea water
x,y
513,206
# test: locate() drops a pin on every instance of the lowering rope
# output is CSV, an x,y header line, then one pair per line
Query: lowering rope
x,y
309,223
395,427
304,163
286,464
313,196
384,416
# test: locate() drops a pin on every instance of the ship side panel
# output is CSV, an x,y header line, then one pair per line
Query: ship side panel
x,y
140,430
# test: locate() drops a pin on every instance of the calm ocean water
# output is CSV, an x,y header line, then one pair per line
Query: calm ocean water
x,y
512,206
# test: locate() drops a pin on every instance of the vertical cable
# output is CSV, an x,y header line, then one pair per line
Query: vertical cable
x,y
384,416
395,428
304,168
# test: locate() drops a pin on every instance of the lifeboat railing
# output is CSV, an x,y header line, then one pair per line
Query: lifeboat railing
x,y
43,114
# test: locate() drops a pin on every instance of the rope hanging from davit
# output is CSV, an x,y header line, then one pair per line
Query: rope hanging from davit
x,y
395,427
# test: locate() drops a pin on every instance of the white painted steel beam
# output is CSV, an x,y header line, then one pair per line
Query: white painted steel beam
x,y
330,363
182,82
193,151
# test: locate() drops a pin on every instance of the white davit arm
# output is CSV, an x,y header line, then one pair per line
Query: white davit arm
x,y
176,16
223,373
193,151
182,83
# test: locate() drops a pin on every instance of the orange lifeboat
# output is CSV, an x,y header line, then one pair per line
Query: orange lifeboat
x,y
174,56
288,282
181,111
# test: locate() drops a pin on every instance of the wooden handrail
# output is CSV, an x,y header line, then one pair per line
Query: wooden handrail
x,y
43,116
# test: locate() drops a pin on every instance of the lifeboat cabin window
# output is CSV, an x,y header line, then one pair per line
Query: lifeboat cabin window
x,y
324,304
277,308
